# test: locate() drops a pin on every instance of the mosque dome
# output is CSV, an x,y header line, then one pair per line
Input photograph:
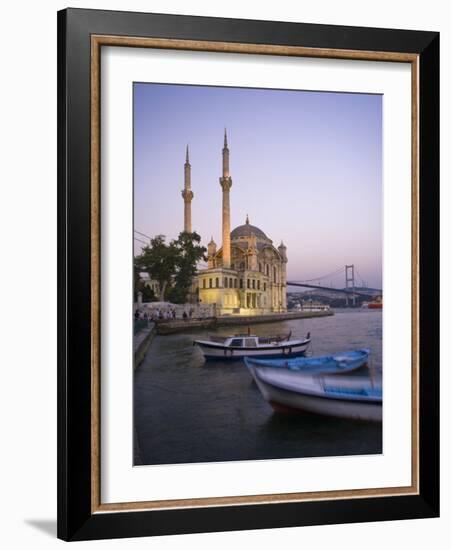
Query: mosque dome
x,y
247,230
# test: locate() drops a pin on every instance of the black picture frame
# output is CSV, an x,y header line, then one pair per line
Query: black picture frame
x,y
76,519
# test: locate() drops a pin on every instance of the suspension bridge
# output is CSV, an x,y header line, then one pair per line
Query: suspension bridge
x,y
349,289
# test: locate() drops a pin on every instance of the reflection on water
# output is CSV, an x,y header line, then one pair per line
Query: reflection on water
x,y
187,410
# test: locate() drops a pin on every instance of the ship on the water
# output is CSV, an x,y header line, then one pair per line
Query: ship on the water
x,y
249,345
376,303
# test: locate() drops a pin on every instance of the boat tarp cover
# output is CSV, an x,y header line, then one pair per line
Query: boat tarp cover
x,y
323,362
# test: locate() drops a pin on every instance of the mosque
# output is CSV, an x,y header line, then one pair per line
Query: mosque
x,y
247,274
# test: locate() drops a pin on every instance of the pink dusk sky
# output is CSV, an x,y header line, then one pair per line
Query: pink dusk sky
x,y
306,167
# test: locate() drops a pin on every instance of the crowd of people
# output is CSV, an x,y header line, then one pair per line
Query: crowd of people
x,y
159,314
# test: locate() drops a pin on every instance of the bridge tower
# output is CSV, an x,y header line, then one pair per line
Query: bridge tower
x,y
350,283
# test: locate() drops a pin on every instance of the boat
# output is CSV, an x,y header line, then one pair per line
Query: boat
x,y
376,303
312,306
341,396
249,345
333,364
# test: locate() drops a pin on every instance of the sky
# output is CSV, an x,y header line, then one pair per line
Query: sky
x,y
306,167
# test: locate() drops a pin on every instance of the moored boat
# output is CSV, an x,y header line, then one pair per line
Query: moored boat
x,y
333,364
340,396
249,345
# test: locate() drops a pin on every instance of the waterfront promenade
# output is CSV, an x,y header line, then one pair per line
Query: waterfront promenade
x,y
173,326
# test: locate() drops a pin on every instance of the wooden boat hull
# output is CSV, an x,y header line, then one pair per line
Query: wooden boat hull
x,y
212,350
284,395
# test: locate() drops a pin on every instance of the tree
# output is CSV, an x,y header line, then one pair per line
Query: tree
x,y
189,253
137,282
148,295
173,265
159,260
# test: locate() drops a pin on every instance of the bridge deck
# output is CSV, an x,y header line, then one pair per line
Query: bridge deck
x,y
339,290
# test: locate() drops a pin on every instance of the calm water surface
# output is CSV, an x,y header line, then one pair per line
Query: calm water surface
x,y
188,410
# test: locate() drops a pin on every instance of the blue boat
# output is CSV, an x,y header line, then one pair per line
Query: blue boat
x,y
324,364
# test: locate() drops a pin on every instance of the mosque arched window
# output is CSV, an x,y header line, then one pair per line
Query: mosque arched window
x,y
241,283
258,284
230,283
204,283
267,270
217,282
225,282
210,281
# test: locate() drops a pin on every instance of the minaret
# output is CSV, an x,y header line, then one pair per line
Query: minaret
x,y
187,194
283,275
211,253
252,251
283,251
226,184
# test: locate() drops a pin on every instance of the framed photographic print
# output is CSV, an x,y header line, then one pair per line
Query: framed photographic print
x,y
248,274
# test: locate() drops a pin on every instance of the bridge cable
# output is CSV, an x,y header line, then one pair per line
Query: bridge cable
x,y
322,277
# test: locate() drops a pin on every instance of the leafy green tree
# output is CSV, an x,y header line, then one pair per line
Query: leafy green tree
x,y
159,260
148,294
190,252
173,265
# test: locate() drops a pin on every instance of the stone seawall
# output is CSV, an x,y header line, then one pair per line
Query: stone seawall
x,y
174,326
141,343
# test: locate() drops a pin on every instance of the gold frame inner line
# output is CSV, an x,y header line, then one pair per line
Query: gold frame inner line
x,y
97,41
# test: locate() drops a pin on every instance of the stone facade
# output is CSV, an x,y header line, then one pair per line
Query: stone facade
x,y
255,283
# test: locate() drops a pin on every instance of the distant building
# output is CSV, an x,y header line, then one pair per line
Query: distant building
x,y
247,275
151,283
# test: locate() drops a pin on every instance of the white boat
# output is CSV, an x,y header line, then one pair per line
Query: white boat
x,y
340,396
249,345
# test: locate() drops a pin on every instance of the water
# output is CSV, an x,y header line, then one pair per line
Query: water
x,y
188,410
